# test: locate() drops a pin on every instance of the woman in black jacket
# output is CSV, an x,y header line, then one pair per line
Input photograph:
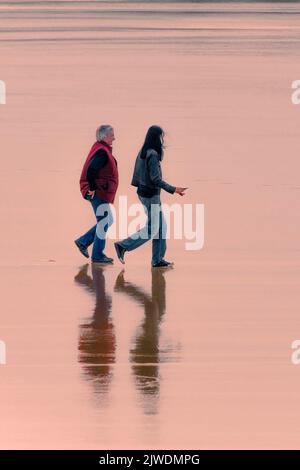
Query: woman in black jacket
x,y
147,177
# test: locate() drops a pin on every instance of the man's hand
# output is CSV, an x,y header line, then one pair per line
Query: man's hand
x,y
91,193
180,191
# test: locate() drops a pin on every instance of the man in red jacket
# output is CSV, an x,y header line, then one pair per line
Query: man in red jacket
x,y
98,184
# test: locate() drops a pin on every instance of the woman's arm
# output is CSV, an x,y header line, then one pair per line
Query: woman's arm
x,y
155,174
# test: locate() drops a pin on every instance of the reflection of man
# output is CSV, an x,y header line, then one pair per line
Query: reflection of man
x,y
97,342
145,355
99,183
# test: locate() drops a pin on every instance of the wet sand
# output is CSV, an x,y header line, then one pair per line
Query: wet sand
x,y
198,356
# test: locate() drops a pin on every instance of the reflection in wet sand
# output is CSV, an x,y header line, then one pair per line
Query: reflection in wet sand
x,y
97,342
217,76
145,354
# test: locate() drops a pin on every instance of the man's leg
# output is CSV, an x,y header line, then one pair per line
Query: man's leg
x,y
104,221
88,238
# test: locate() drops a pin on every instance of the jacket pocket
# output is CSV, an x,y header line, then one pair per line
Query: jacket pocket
x,y
102,184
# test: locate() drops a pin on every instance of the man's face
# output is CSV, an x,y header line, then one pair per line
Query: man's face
x,y
110,137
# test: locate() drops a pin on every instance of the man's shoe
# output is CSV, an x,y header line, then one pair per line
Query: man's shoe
x,y
162,264
120,252
104,260
170,263
82,248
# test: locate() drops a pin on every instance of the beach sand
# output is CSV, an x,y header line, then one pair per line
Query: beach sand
x,y
198,356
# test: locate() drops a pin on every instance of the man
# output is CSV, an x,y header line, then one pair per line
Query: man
x,y
98,184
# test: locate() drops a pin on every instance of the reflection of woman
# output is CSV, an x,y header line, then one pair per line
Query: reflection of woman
x,y
147,177
145,355
97,343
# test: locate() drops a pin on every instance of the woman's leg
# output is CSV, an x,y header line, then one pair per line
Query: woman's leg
x,y
151,227
159,244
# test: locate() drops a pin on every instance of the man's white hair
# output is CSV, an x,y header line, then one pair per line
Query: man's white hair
x,y
102,131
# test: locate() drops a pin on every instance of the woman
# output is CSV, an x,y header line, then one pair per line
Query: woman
x,y
147,177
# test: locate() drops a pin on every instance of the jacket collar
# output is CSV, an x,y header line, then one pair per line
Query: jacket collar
x,y
106,144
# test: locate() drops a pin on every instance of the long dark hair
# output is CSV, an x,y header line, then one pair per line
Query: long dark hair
x,y
153,140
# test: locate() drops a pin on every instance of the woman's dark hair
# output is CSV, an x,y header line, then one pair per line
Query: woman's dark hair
x,y
153,140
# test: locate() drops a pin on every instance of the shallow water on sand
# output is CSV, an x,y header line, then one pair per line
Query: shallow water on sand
x,y
198,356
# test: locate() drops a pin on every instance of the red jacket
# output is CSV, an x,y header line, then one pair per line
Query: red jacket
x,y
107,180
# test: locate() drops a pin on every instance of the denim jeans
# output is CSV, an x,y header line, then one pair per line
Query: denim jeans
x,y
97,234
154,229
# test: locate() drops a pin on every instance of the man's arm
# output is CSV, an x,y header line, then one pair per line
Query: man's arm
x,y
154,172
98,161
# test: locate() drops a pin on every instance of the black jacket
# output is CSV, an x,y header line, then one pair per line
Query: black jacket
x,y
147,175
98,161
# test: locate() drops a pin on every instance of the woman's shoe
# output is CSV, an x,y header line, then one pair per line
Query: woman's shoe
x,y
162,264
170,263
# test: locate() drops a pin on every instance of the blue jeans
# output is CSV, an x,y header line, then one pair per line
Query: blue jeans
x,y
154,229
97,234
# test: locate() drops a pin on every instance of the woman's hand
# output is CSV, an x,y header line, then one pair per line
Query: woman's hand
x,y
180,191
91,193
